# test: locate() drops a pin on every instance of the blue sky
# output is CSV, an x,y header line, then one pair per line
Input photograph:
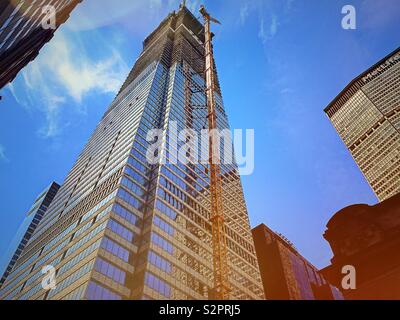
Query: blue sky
x,y
280,62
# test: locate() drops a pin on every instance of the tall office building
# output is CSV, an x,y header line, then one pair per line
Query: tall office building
x,y
285,273
122,228
366,115
28,226
22,34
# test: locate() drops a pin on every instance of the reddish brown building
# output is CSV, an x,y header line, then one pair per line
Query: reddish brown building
x,y
367,238
285,273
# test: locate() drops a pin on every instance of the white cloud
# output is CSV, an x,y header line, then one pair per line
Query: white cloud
x,y
155,4
244,13
273,28
12,90
66,72
267,33
261,31
193,5
3,154
77,73
90,15
52,110
50,104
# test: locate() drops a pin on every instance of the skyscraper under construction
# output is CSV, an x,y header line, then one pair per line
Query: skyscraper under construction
x,y
121,227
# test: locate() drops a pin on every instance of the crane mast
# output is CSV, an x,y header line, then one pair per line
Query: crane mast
x,y
220,263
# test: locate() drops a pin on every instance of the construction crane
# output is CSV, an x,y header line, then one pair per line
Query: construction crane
x,y
221,282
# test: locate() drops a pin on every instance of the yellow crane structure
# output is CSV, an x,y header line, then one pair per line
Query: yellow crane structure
x,y
220,263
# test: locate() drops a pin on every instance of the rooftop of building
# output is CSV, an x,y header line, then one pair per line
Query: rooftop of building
x,y
183,14
286,242
358,81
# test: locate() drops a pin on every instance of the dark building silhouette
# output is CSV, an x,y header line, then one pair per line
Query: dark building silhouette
x,y
28,226
22,34
367,238
285,273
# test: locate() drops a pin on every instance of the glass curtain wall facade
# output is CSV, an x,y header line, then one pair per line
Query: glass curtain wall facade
x,y
122,228
28,226
366,116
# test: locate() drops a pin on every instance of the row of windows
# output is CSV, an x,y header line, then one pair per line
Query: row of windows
x,y
52,253
162,207
10,284
135,175
39,273
70,264
31,292
71,279
189,213
86,238
92,172
157,284
191,174
47,247
82,229
102,214
166,227
136,153
138,85
182,205
13,293
136,164
84,218
138,149
134,202
132,186
97,292
192,188
76,294
115,249
162,243
120,230
159,262
110,271
97,207
126,214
